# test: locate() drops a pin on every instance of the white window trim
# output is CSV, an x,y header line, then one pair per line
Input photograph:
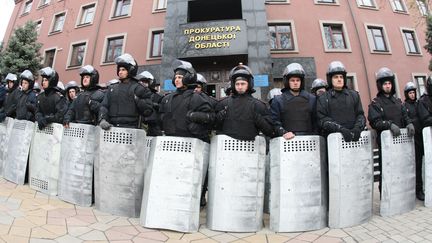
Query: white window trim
x,y
50,32
413,75
69,58
77,24
24,6
102,62
41,20
345,33
367,7
336,3
397,11
371,45
40,5
155,9
149,43
294,35
355,83
55,48
419,9
406,43
279,2
113,6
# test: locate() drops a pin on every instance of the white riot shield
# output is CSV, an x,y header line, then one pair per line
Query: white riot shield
x,y
173,183
148,143
45,158
5,130
427,143
350,180
18,151
119,171
267,185
78,148
299,184
236,184
398,173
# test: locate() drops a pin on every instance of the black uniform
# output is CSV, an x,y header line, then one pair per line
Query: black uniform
x,y
26,107
11,101
85,107
425,110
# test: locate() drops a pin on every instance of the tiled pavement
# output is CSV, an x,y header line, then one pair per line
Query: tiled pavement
x,y
31,217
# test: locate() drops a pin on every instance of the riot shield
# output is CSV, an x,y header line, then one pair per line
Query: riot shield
x,y
299,184
78,148
173,183
398,173
236,184
18,151
427,143
119,170
5,130
45,158
350,180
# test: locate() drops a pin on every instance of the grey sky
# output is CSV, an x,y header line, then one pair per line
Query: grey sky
x,y
6,9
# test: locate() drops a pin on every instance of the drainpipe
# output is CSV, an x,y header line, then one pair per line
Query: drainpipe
x,y
361,49
98,26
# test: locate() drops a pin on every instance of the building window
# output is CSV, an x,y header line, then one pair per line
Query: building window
x,y
59,20
77,56
325,1
281,37
157,44
334,36
43,3
277,1
49,58
161,4
114,48
422,7
38,26
377,39
420,82
410,41
122,8
351,81
27,7
87,14
398,6
366,3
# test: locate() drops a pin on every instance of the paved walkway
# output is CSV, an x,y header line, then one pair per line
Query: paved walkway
x,y
31,217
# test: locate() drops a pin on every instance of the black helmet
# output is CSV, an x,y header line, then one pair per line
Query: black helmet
x,y
128,62
202,81
12,77
189,74
318,84
92,72
428,85
242,71
51,75
294,70
410,86
385,74
146,76
27,75
336,67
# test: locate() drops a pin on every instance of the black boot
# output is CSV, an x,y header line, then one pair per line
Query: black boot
x,y
420,195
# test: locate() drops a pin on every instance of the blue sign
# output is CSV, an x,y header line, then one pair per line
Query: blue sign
x,y
261,80
168,86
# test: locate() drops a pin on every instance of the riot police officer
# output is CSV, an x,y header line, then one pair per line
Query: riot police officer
x,y
240,115
11,100
84,109
293,112
51,104
71,90
185,113
26,107
340,109
411,105
319,87
201,87
125,101
153,121
425,105
3,92
36,88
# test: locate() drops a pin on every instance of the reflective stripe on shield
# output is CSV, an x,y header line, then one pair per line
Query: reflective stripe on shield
x,y
236,184
350,180
427,142
298,175
45,158
5,130
119,171
398,173
18,151
76,164
173,182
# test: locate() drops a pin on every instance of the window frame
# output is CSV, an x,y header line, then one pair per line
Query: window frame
x,y
40,5
51,31
24,7
371,40
81,14
114,8
360,5
293,35
106,41
277,2
404,6
70,54
41,22
355,82
420,88
344,32
54,58
156,8
405,41
152,35
336,2
422,8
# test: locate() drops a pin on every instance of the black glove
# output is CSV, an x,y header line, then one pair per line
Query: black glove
x,y
198,117
347,134
104,124
356,134
221,115
411,129
42,123
395,130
